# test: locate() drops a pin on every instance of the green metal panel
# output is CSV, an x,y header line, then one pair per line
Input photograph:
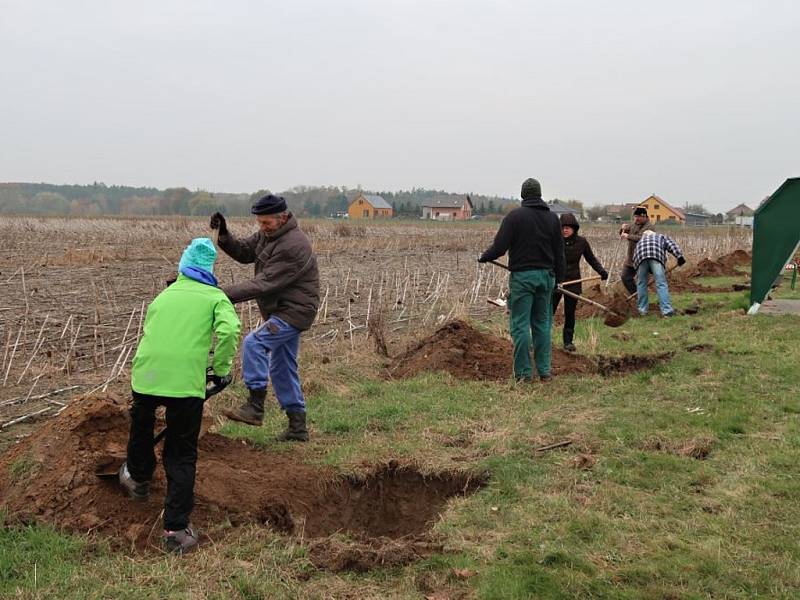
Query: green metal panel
x,y
776,234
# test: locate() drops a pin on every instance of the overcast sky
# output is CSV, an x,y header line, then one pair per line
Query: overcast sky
x,y
697,101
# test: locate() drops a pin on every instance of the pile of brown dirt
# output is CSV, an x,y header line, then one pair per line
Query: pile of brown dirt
x,y
709,268
722,266
737,258
465,353
50,478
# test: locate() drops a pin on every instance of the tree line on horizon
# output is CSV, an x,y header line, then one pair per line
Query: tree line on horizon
x,y
315,201
99,199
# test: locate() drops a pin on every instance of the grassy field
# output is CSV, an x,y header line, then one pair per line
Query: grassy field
x,y
679,481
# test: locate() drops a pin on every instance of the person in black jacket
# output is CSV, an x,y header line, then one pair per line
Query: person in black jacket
x,y
531,235
575,247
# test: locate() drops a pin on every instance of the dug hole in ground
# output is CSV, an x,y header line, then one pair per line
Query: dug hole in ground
x,y
386,514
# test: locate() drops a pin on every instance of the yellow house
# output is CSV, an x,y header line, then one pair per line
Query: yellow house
x,y
369,206
658,211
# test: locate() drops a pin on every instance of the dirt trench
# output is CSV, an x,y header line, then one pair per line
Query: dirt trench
x,y
50,478
468,354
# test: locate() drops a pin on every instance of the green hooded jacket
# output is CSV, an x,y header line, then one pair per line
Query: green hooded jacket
x,y
172,356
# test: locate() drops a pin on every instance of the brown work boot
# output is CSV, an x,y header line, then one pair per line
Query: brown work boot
x,y
251,412
296,431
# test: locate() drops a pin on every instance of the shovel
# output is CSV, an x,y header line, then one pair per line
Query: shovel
x,y
574,281
613,318
108,466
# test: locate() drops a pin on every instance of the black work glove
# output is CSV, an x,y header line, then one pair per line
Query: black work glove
x,y
482,259
218,222
681,261
603,275
217,383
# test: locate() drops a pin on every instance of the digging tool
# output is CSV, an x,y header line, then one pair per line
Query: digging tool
x,y
499,264
501,302
574,281
614,261
613,319
109,465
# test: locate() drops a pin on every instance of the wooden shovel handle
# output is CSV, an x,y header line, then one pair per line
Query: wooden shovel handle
x,y
574,281
592,302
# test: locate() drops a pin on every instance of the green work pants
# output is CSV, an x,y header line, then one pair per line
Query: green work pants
x,y
531,311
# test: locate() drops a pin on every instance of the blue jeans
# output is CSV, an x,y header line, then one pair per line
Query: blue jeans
x,y
270,354
657,269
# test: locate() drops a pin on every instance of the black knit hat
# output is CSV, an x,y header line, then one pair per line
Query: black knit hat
x,y
268,205
531,189
640,210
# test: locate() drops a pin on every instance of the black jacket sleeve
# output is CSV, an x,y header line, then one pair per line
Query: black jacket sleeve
x,y
559,257
592,259
502,241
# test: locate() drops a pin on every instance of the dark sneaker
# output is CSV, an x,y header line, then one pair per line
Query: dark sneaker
x,y
246,413
670,314
182,541
135,489
570,347
545,378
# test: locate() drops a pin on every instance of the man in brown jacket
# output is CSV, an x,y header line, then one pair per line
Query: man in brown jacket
x,y
286,288
633,233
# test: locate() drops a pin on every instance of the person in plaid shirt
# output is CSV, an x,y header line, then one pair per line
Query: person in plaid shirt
x,y
650,256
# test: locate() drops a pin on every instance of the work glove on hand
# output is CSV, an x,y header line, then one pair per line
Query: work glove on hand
x,y
217,383
481,259
603,275
218,222
681,261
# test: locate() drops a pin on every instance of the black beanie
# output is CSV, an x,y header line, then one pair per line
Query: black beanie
x,y
640,210
531,189
268,205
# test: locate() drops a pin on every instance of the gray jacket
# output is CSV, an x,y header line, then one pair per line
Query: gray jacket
x,y
286,282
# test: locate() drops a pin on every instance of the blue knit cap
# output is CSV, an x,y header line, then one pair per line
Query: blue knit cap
x,y
200,253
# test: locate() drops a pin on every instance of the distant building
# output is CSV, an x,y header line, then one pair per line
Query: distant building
x,y
563,209
369,206
620,211
447,208
660,211
741,210
697,219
